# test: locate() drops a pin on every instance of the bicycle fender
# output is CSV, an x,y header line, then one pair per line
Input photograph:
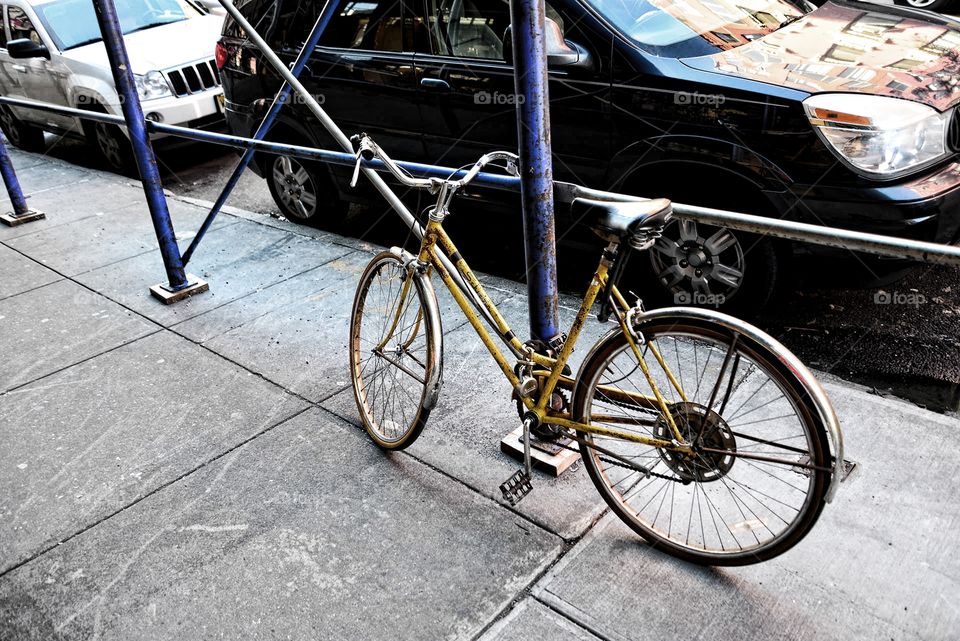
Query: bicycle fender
x,y
818,396
422,282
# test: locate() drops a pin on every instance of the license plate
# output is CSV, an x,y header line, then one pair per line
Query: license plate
x,y
220,100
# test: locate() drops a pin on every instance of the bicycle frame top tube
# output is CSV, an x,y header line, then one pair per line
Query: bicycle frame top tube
x,y
436,242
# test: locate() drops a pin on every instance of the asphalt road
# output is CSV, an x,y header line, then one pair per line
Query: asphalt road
x,y
900,339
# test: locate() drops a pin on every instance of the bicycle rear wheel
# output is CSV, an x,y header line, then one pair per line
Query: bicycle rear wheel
x,y
394,351
756,481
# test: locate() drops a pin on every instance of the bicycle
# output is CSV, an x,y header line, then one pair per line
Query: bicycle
x,y
702,433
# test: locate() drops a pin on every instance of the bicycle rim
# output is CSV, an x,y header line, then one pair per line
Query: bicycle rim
x,y
749,493
391,352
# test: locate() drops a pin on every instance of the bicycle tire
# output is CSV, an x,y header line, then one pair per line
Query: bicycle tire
x,y
708,475
394,388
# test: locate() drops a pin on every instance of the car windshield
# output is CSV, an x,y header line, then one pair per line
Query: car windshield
x,y
73,23
682,28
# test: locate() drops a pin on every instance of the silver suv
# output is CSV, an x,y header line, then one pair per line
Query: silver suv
x,y
51,51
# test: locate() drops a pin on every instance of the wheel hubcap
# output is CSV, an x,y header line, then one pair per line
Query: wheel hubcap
x,y
9,125
698,264
295,187
108,145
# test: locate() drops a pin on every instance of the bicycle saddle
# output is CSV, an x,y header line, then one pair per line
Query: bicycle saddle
x,y
617,221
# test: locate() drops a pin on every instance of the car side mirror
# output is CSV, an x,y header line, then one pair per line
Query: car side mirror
x,y
560,53
27,48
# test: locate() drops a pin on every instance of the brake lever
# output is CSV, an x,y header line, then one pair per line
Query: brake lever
x,y
356,171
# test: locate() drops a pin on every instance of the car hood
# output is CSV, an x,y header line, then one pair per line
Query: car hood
x,y
160,47
852,49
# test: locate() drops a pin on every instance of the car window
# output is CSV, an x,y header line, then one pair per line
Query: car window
x,y
468,28
20,25
73,23
472,28
3,30
261,14
371,24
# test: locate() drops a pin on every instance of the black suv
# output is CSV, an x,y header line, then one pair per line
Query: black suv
x,y
840,115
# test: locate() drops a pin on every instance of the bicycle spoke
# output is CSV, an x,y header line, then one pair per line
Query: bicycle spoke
x,y
731,491
390,352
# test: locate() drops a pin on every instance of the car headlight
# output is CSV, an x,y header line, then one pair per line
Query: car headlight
x,y
152,85
877,135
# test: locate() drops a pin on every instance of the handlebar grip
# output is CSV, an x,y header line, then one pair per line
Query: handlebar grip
x,y
363,145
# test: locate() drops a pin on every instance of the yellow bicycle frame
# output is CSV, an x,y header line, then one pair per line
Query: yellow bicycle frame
x,y
435,239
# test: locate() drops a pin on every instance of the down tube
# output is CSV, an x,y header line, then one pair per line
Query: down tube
x,y
474,319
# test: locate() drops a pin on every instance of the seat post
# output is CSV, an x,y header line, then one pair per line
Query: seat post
x,y
621,253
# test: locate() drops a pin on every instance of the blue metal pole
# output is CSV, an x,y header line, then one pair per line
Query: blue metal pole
x,y
10,180
21,212
536,165
142,149
312,40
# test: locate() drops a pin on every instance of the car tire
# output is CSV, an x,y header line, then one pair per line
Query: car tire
x,y
707,266
19,133
114,148
937,6
303,191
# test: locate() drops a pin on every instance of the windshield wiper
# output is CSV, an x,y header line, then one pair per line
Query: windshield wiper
x,y
152,25
83,43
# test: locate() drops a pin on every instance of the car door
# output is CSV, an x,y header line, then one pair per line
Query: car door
x,y
11,80
362,73
41,80
469,102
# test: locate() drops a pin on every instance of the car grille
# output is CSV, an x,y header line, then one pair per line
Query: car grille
x,y
194,78
953,132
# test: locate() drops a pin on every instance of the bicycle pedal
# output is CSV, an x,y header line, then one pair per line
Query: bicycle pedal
x,y
516,487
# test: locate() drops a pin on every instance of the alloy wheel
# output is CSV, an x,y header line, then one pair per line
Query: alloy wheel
x,y
296,187
10,126
109,145
698,264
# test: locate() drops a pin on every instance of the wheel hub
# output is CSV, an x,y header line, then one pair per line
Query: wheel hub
x,y
294,186
698,259
693,419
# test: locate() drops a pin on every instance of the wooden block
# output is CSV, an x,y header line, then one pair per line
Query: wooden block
x,y
546,456
12,220
165,296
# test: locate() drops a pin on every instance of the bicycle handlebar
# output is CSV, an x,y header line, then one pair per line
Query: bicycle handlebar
x,y
368,150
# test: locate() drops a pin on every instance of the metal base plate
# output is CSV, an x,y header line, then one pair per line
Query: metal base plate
x,y
12,220
546,456
165,296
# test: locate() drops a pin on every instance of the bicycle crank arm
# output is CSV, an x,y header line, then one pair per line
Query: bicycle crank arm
x,y
520,483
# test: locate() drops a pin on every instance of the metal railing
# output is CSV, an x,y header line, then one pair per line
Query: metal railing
x,y
877,244
178,282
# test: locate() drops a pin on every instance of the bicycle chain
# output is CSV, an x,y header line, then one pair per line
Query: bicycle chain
x,y
619,464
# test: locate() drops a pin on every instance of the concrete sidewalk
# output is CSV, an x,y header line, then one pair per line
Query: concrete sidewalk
x,y
196,471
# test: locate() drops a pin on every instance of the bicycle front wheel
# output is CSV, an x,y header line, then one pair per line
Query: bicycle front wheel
x,y
756,479
394,351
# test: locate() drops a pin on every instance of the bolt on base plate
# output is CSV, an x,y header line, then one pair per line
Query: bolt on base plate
x,y
162,292
12,219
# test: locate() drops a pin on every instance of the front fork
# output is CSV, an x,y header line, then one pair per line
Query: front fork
x,y
403,302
